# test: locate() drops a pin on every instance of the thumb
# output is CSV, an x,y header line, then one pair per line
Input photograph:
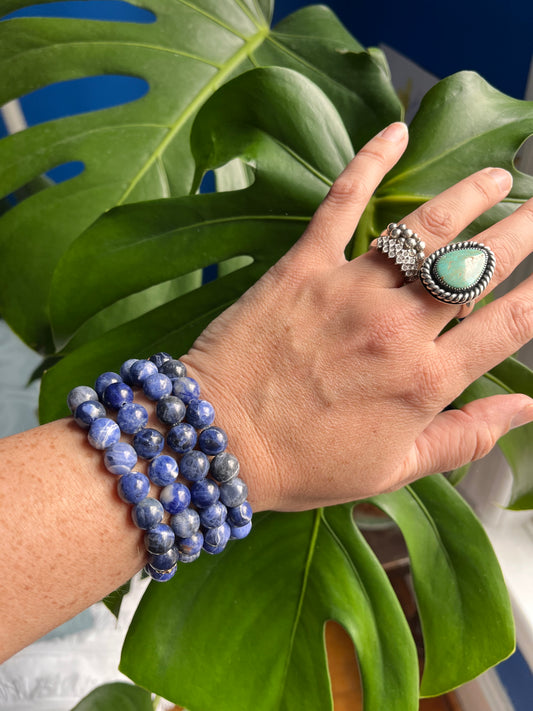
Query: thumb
x,y
457,437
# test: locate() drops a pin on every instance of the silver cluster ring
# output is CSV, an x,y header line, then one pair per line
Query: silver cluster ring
x,y
404,247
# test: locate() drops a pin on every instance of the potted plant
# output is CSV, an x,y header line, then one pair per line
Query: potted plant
x,y
276,114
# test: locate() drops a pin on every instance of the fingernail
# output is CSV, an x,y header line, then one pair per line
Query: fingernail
x,y
502,177
522,417
394,133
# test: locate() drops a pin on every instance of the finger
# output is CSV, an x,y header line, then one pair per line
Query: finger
x,y
457,437
334,222
441,219
498,330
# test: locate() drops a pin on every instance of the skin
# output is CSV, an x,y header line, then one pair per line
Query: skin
x,y
330,377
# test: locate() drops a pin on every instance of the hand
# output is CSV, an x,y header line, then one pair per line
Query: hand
x,y
331,376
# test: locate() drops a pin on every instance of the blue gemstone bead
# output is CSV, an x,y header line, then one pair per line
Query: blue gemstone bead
x,y
158,576
125,369
157,386
224,467
116,395
133,487
194,465
173,368
215,539
239,532
200,414
204,493
87,412
164,561
191,545
186,389
141,370
182,438
159,358
213,440
148,443
120,458
184,558
132,418
240,515
163,470
214,515
159,539
175,497
185,523
103,433
233,493
80,394
147,513
102,381
170,410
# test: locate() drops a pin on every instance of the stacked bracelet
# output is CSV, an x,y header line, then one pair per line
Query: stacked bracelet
x,y
202,501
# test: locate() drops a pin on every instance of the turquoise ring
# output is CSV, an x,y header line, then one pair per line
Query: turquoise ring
x,y
459,272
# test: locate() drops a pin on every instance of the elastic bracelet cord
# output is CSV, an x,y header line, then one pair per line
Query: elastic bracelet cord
x,y
202,501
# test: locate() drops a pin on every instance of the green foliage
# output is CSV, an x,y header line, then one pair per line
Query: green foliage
x,y
108,265
111,697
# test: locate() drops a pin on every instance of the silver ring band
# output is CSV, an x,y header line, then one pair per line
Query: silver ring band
x,y
403,246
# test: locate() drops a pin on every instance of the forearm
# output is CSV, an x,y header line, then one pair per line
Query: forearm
x,y
68,540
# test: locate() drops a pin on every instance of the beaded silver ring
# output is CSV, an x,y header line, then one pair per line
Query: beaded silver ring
x,y
403,246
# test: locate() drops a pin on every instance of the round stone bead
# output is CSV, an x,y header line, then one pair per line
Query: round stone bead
x,y
239,532
224,467
125,369
200,414
204,493
159,358
157,386
184,558
148,443
185,523
163,470
147,513
191,545
89,411
240,515
158,576
103,433
175,497
141,370
132,418
215,539
173,368
120,458
182,438
159,539
80,394
133,487
214,515
194,465
233,493
186,389
116,395
170,410
213,440
164,561
102,381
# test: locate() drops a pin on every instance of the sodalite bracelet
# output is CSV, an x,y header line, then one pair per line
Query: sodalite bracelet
x,y
202,501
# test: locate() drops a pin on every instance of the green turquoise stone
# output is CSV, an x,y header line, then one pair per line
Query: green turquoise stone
x,y
461,268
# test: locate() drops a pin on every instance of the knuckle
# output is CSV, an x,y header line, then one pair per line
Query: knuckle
x,y
485,187
436,219
348,190
519,321
383,335
377,155
424,386
484,441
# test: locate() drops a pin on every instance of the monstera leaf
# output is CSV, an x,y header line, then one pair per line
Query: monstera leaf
x,y
263,604
141,150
